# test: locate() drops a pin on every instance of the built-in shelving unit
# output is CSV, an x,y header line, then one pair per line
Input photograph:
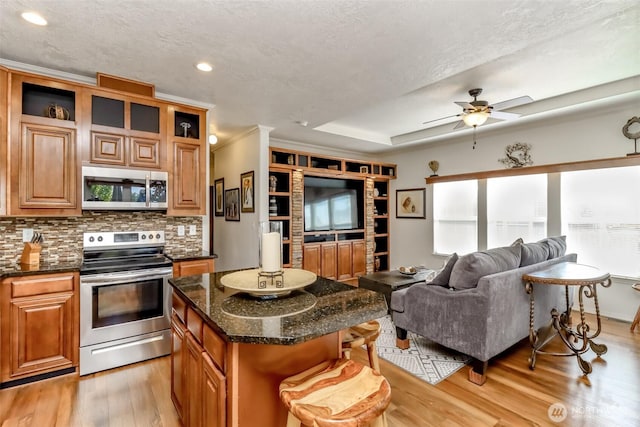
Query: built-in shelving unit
x,y
381,224
280,207
341,255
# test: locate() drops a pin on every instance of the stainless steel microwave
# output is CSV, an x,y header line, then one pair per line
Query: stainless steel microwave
x,y
123,189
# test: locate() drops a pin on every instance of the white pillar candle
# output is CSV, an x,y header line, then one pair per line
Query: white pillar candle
x,y
270,251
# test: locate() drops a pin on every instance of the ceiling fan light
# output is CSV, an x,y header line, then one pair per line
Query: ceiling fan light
x,y
476,118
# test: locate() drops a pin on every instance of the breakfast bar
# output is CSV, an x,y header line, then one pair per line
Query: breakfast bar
x,y
230,349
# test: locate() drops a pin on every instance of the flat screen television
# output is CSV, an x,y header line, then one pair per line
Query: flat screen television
x,y
333,204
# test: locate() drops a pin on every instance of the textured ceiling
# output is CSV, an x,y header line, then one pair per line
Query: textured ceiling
x,y
368,73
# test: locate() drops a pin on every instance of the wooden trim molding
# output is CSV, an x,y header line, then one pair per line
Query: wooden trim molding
x,y
615,162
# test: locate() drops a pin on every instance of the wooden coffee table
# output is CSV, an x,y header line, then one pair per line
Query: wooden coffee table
x,y
387,282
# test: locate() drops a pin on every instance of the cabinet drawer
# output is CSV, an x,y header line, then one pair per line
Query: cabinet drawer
x,y
214,346
38,285
194,324
179,307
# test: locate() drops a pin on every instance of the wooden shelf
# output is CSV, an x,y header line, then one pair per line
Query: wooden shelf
x,y
532,170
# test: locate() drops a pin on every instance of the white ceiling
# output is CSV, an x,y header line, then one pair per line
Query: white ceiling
x,y
368,73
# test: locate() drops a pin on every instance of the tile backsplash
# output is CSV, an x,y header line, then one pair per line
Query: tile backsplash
x,y
63,236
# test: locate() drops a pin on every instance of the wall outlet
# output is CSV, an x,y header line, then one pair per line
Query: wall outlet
x,y
27,234
192,230
181,230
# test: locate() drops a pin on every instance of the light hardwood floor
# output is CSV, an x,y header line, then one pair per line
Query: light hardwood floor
x,y
513,395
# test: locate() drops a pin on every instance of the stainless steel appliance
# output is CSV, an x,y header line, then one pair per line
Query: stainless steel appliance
x,y
124,299
123,189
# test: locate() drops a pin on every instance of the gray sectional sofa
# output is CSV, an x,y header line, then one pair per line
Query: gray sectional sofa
x,y
478,305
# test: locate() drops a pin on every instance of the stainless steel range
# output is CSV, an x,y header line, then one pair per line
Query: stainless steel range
x,y
124,299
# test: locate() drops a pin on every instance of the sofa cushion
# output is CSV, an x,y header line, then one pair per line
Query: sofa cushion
x,y
533,253
442,279
557,246
471,267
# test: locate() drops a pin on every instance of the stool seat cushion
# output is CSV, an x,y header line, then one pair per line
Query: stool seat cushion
x,y
361,334
336,393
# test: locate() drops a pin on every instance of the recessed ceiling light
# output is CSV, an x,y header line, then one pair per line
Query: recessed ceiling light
x,y
213,140
203,66
34,18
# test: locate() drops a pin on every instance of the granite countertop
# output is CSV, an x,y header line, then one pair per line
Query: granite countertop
x,y
45,267
186,254
323,307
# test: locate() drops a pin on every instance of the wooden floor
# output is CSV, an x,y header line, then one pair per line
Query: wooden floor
x,y
138,395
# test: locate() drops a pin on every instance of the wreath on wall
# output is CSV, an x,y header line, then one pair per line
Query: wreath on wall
x,y
517,155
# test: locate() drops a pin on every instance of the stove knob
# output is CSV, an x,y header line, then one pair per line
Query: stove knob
x,y
158,236
91,239
144,236
151,236
99,238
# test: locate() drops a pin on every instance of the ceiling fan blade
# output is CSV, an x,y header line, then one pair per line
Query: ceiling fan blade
x,y
465,105
459,125
441,118
510,103
502,115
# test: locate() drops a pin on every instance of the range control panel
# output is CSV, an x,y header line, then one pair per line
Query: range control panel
x,y
123,239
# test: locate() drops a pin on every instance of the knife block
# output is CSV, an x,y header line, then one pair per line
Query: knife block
x,y
31,254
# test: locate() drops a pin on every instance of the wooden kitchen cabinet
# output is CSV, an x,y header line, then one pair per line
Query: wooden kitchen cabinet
x,y
187,161
43,151
192,267
4,116
39,319
198,382
125,130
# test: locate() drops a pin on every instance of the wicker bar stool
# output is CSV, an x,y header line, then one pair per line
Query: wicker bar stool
x,y
363,334
336,393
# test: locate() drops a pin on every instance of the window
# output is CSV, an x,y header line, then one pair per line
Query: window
x,y
601,218
516,207
455,217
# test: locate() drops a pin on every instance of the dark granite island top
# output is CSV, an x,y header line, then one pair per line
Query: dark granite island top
x,y
322,308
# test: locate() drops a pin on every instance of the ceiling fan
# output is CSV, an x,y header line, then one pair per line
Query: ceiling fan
x,y
476,112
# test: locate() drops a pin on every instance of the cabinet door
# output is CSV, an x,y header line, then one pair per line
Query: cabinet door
x,y
359,259
144,153
214,397
178,374
193,383
344,260
42,334
107,148
311,258
47,167
329,263
188,195
4,116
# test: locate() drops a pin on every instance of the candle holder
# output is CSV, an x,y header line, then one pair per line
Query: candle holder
x,y
270,272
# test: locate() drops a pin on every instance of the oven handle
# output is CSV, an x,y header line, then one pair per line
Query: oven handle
x,y
116,278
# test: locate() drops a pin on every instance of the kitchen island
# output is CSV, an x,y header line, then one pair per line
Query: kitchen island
x,y
230,350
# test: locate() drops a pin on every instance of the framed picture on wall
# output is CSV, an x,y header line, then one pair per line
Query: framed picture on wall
x,y
410,203
219,197
232,204
246,181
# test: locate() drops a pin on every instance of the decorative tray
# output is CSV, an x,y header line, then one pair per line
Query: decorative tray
x,y
407,271
247,281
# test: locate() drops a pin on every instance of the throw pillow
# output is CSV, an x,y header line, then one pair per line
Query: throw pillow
x,y
517,241
533,253
557,246
442,279
471,267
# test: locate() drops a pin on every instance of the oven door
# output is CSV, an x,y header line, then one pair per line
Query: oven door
x,y
124,304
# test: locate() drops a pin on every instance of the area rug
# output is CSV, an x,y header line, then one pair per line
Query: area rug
x,y
424,359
